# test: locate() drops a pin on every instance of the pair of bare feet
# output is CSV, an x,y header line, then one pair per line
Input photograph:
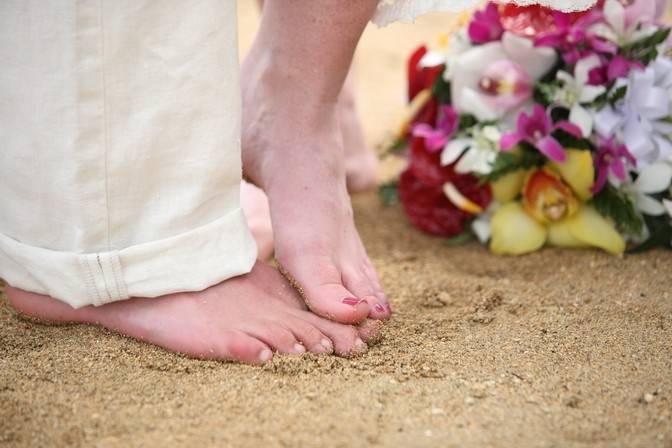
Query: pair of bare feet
x,y
338,296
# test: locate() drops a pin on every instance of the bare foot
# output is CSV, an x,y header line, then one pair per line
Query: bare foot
x,y
255,206
243,319
294,152
360,160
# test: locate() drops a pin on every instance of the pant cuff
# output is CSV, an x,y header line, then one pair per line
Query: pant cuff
x,y
190,261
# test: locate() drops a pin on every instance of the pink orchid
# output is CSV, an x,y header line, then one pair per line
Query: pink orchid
x,y
573,39
536,129
486,25
609,158
610,70
437,138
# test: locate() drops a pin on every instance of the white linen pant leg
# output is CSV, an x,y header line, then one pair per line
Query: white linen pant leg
x,y
120,148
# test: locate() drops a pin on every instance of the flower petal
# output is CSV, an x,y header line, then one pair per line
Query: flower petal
x,y
583,68
578,172
551,149
569,128
649,206
508,187
614,13
668,206
481,227
589,93
514,232
559,234
654,178
454,150
582,118
588,226
536,61
510,140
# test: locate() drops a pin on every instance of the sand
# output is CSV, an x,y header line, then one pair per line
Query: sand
x,y
555,349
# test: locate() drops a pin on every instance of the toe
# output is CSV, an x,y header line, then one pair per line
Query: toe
x,y
237,346
358,282
324,292
277,337
369,331
309,335
346,339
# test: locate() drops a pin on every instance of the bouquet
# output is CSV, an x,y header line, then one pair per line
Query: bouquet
x,y
532,127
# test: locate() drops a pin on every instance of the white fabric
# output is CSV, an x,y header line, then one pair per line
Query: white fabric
x,y
120,149
408,10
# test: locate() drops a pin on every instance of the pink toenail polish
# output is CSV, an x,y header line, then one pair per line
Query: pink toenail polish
x,y
299,349
265,355
352,301
379,308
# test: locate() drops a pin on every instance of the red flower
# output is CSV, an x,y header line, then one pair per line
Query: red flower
x,y
529,21
430,210
421,78
426,165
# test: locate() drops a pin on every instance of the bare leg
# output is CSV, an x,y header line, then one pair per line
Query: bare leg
x,y
360,160
293,149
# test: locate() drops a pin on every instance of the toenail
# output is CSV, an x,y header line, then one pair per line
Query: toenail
x,y
359,344
380,308
265,355
298,348
352,301
326,343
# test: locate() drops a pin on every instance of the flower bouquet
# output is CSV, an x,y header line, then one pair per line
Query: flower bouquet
x,y
530,126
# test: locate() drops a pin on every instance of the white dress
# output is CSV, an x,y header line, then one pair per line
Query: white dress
x,y
120,145
407,10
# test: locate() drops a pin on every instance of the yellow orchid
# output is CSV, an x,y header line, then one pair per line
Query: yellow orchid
x,y
551,209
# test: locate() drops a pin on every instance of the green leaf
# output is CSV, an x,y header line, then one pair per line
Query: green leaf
x,y
617,95
468,121
567,140
441,90
397,146
617,206
660,234
645,49
544,92
460,239
508,162
388,192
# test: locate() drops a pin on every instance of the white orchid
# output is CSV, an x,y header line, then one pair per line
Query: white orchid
x,y
642,120
482,224
668,206
495,79
652,179
624,25
576,92
447,55
478,149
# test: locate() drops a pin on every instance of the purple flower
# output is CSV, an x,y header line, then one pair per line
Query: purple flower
x,y
486,25
609,158
437,138
617,67
572,38
536,129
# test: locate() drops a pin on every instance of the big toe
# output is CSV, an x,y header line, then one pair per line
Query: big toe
x,y
325,294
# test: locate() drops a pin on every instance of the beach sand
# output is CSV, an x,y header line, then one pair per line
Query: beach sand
x,y
556,349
